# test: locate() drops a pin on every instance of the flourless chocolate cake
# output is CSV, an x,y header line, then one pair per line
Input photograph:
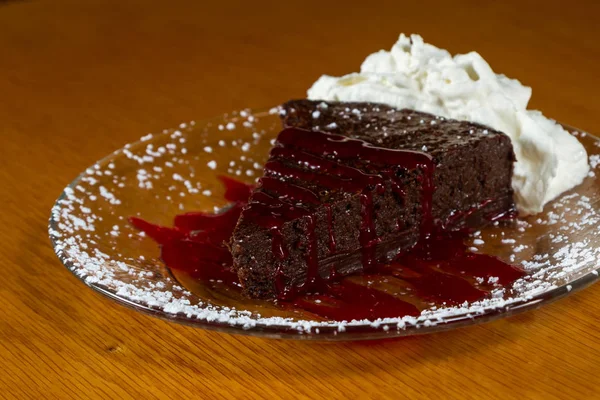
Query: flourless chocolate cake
x,y
350,185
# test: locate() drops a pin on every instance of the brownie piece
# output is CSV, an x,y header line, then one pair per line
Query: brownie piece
x,y
349,185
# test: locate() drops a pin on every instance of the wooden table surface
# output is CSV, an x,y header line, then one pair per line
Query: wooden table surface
x,y
78,79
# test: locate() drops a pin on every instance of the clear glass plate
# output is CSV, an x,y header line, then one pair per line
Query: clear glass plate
x,y
176,170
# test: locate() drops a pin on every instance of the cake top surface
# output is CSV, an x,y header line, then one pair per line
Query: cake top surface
x,y
386,126
351,147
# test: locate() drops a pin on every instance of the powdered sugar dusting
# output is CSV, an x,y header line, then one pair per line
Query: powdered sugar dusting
x,y
175,170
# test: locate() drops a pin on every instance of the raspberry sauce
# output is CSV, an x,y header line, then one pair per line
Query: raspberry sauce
x,y
438,270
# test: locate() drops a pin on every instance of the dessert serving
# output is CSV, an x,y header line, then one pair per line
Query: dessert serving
x,y
418,193
351,185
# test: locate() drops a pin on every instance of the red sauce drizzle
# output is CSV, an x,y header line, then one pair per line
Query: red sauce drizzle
x,y
348,300
440,269
196,244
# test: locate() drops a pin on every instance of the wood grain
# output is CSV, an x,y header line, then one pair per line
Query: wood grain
x,y
79,79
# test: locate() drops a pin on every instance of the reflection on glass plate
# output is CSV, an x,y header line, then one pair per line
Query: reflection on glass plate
x,y
177,170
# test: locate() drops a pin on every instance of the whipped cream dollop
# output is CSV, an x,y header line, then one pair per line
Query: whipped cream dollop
x,y
419,76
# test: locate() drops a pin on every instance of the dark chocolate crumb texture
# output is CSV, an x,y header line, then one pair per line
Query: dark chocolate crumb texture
x,y
351,185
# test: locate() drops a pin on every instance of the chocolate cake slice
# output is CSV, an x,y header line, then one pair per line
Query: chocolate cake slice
x,y
350,185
